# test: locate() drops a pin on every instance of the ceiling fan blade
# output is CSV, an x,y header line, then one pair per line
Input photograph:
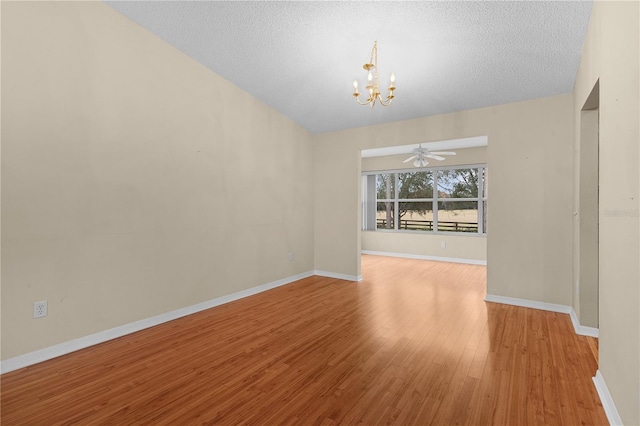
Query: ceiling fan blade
x,y
435,157
443,153
410,158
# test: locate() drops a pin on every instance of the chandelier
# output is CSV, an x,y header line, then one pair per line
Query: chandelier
x,y
372,82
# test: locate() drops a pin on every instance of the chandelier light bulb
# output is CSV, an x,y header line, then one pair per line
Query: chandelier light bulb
x,y
393,78
370,76
355,85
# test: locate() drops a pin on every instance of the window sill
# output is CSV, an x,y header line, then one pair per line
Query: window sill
x,y
439,233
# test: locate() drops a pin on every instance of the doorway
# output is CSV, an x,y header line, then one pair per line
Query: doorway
x,y
588,210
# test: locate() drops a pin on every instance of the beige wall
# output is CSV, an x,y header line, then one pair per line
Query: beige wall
x,y
134,180
459,247
462,247
611,54
530,210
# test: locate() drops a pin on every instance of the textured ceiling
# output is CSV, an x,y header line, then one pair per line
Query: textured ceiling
x,y
301,57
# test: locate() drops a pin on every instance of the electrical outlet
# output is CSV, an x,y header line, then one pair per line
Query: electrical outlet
x,y
290,257
40,309
443,244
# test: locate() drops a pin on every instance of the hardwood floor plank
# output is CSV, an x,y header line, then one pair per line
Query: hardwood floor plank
x,y
413,343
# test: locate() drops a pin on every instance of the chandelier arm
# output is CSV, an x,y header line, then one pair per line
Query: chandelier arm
x,y
385,102
368,101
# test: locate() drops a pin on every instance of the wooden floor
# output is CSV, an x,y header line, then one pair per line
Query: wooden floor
x,y
414,343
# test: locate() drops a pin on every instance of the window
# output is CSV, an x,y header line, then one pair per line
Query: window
x,y
426,200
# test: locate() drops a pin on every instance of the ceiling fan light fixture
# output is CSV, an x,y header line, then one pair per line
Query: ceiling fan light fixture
x,y
372,82
420,155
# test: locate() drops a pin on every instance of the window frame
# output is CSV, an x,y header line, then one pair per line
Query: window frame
x,y
481,199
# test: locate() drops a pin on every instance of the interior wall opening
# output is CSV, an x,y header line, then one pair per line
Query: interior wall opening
x,y
589,210
433,211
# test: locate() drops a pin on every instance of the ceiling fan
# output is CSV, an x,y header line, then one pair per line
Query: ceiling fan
x,y
421,154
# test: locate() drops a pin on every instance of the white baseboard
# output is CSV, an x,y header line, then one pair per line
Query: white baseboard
x,y
582,330
425,257
526,303
563,309
40,355
338,276
607,401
